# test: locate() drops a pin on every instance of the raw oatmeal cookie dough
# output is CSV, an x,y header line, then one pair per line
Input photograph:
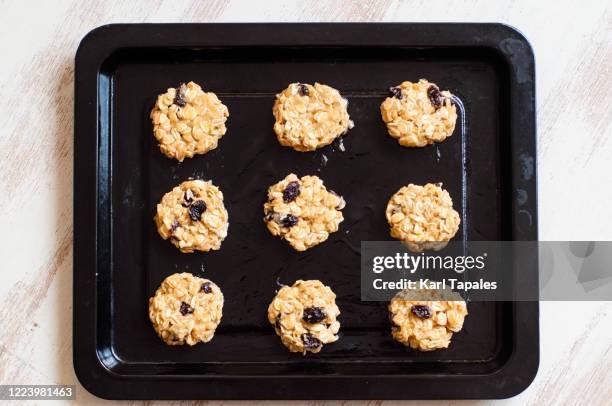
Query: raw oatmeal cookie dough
x,y
422,216
188,121
186,309
304,316
419,114
302,211
193,217
426,324
309,117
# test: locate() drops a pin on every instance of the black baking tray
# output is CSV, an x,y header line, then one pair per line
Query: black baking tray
x,y
488,166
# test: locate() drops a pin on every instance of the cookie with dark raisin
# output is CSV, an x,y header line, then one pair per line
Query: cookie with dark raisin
x,y
309,117
305,316
302,211
192,215
419,114
183,312
426,319
188,121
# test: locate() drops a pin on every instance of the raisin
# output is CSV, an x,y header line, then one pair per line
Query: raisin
x,y
424,312
179,98
314,315
186,309
187,198
206,288
174,226
310,341
396,92
435,96
289,221
291,192
303,89
196,209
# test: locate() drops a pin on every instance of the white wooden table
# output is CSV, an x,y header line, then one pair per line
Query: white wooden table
x,y
38,40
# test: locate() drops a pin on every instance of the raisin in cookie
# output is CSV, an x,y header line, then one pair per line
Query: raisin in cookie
x,y
186,309
422,216
193,216
309,117
428,323
419,114
188,121
304,316
302,211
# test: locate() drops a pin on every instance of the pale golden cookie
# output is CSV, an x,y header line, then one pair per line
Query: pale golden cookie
x,y
422,216
193,216
309,117
426,324
188,121
302,211
304,316
419,114
186,309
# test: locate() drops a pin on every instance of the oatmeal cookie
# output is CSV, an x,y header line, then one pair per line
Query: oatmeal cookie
x,y
302,211
188,121
193,216
422,216
419,114
309,117
304,316
186,309
426,324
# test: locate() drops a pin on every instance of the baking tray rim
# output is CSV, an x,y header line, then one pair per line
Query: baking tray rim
x,y
92,365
